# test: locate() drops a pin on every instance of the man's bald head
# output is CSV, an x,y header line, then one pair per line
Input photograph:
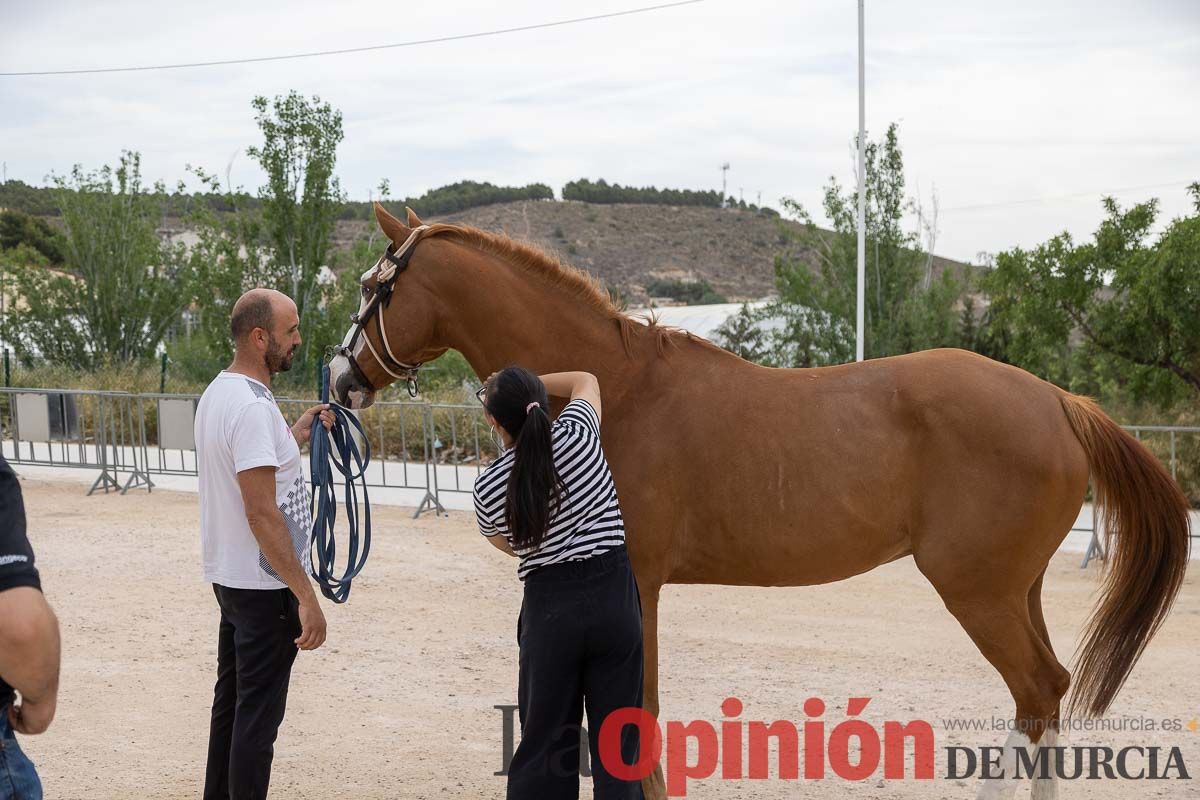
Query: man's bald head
x,y
274,314
255,309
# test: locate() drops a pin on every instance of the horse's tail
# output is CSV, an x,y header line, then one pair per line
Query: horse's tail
x,y
1147,539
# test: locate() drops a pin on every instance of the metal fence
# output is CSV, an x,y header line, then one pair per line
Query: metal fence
x,y
78,429
1178,447
433,448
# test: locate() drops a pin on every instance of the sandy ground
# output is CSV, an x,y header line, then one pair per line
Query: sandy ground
x,y
400,701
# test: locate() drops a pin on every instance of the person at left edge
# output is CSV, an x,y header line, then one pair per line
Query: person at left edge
x,y
256,527
29,647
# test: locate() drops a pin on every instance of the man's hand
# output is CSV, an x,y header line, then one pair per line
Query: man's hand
x,y
312,626
29,718
270,530
302,430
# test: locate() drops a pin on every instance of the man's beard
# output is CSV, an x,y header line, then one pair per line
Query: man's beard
x,y
277,359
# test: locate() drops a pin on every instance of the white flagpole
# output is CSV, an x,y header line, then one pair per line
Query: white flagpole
x,y
859,329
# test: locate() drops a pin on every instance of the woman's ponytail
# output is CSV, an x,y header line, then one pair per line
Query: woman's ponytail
x,y
517,399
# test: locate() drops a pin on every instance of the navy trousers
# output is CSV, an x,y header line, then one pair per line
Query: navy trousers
x,y
580,636
255,651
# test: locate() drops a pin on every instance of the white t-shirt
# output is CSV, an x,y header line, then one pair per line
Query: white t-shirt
x,y
239,427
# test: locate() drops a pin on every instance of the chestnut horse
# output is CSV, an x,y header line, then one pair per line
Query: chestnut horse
x,y
733,473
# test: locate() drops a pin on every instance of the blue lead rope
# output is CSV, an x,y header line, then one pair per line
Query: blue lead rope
x,y
339,448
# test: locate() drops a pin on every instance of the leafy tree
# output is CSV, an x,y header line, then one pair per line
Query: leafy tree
x,y
693,293
1130,301
300,201
743,334
231,257
19,196
17,227
456,197
779,334
279,240
902,314
603,192
124,287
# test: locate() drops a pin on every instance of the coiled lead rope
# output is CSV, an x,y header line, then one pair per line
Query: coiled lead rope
x,y
338,447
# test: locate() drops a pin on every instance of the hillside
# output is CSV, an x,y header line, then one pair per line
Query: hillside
x,y
627,246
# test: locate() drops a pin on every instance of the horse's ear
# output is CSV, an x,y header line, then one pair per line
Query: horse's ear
x,y
393,228
413,220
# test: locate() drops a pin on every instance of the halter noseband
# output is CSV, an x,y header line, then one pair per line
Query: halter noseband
x,y
385,284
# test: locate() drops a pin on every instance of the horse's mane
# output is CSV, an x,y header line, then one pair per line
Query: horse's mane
x,y
574,281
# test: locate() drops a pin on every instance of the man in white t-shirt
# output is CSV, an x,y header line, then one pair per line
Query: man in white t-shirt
x,y
255,528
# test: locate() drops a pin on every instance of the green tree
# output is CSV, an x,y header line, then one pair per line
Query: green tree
x,y
123,287
742,334
692,293
230,256
300,201
903,312
1129,299
17,227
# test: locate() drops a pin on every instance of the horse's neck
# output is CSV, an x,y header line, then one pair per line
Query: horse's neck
x,y
506,315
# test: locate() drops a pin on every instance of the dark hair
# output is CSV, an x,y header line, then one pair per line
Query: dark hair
x,y
253,312
535,490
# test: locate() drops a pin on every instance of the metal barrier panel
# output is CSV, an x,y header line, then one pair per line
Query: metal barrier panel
x,y
462,444
165,428
72,428
177,423
1178,447
32,417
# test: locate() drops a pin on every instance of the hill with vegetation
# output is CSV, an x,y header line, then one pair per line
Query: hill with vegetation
x,y
636,248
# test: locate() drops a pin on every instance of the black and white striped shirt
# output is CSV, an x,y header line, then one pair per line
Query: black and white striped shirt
x,y
589,522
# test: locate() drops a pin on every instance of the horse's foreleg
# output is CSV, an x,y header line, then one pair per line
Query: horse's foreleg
x,y
653,786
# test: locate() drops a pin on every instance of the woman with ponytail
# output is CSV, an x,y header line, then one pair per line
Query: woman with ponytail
x,y
549,499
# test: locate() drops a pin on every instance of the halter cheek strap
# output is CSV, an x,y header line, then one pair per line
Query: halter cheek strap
x,y
385,279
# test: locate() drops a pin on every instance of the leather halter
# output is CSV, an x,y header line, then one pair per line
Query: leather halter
x,y
385,284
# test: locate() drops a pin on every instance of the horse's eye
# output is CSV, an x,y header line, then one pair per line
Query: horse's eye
x,y
365,292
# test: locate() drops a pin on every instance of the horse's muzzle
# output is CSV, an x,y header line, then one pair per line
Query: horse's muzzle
x,y
344,387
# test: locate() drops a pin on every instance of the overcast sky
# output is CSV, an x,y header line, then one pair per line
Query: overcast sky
x,y
1020,113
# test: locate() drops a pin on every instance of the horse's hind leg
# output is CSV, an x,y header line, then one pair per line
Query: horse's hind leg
x,y
1003,630
1044,788
1000,609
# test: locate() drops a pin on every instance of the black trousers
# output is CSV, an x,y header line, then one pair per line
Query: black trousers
x,y
255,651
580,632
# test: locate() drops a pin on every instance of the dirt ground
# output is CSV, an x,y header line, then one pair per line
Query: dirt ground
x,y
400,701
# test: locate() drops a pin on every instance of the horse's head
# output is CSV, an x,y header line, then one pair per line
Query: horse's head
x,y
392,333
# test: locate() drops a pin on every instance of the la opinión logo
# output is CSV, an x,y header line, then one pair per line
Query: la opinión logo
x,y
853,749
823,752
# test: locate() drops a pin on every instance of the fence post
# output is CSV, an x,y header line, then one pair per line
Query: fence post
x,y
1173,475
7,369
162,375
106,480
431,501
